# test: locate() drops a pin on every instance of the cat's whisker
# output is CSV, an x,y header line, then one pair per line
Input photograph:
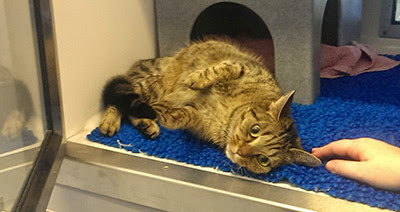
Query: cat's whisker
x,y
245,172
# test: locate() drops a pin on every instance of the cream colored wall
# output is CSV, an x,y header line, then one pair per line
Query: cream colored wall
x,y
370,29
96,40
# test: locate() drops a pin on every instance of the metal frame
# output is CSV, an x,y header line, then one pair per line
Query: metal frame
x,y
37,190
171,186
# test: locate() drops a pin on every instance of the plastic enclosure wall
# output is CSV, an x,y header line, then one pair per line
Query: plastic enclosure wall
x,y
295,27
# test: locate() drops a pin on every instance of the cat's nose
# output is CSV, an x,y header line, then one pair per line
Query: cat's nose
x,y
245,151
240,152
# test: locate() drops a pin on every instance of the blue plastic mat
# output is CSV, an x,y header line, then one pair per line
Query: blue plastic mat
x,y
348,107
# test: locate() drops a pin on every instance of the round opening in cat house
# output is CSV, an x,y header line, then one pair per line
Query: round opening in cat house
x,y
232,21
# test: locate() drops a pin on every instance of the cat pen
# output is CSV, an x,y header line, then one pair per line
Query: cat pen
x,y
97,41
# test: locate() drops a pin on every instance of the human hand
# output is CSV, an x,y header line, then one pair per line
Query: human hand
x,y
364,159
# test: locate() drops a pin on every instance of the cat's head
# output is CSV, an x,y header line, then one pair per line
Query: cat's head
x,y
264,137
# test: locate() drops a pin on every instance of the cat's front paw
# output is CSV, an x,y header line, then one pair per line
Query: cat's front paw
x,y
198,80
149,128
111,121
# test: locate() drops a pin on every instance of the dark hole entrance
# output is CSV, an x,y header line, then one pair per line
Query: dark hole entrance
x,y
230,19
330,23
239,23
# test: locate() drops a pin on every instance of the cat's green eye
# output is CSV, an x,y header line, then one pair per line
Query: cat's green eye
x,y
254,130
264,161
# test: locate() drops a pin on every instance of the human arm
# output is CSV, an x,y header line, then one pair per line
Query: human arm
x,y
364,159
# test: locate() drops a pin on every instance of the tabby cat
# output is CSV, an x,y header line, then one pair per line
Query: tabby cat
x,y
217,91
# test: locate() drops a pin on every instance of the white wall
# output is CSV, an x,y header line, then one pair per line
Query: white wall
x,y
370,29
96,40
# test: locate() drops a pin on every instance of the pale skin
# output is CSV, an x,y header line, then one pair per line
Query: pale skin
x,y
363,159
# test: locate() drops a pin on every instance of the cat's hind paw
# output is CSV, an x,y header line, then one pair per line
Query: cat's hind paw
x,y
111,121
149,128
198,80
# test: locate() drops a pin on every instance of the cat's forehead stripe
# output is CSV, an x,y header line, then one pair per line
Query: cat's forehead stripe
x,y
254,114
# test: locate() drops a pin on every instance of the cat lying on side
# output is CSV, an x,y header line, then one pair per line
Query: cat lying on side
x,y
218,92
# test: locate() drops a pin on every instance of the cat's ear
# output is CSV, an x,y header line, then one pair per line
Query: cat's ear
x,y
304,158
281,107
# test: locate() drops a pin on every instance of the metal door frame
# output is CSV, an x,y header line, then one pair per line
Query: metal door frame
x,y
38,187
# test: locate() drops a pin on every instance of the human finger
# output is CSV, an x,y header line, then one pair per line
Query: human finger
x,y
351,169
366,172
345,148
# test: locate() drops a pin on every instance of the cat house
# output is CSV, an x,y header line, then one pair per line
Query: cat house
x,y
294,27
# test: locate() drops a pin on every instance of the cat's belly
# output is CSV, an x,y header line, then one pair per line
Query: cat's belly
x,y
213,120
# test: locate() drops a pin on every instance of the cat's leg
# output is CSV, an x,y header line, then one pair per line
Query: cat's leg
x,y
111,121
176,118
122,98
148,127
127,97
223,71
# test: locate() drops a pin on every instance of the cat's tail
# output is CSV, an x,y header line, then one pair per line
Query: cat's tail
x,y
119,92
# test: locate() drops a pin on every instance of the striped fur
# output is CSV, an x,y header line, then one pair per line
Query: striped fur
x,y
218,92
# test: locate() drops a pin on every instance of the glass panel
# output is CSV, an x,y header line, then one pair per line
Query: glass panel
x,y
22,124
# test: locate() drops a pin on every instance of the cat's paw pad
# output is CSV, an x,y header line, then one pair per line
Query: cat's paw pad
x,y
13,125
111,121
198,80
149,128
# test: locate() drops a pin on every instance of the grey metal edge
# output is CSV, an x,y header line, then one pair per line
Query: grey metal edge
x,y
37,190
174,187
